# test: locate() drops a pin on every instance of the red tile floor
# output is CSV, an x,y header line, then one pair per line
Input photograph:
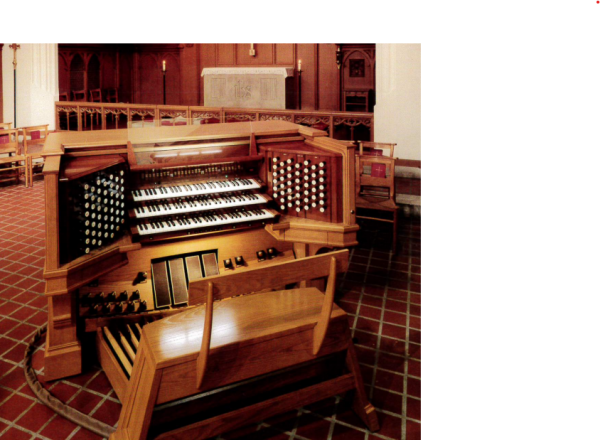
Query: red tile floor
x,y
381,292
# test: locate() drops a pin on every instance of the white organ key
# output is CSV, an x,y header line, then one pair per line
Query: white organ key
x,y
207,220
186,206
194,189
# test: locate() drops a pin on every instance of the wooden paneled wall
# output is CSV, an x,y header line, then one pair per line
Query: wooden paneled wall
x,y
86,67
320,75
1,93
136,70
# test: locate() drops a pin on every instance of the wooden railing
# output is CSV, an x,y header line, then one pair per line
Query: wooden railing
x,y
82,116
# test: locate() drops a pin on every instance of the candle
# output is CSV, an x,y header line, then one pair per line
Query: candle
x,y
299,64
164,66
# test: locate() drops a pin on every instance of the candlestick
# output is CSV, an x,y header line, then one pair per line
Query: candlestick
x,y
299,65
164,65
299,89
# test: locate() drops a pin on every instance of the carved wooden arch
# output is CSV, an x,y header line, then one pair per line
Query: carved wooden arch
x,y
81,57
89,58
370,58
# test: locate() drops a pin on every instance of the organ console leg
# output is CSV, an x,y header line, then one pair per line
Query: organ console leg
x,y
63,349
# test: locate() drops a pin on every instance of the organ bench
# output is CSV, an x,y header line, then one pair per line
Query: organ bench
x,y
220,366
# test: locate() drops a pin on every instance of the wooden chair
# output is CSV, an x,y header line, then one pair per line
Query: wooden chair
x,y
376,148
5,125
375,185
33,144
11,159
96,96
243,359
79,95
112,95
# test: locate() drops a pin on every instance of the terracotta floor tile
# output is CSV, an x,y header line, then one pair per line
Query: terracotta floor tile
x,y
10,292
63,391
84,434
345,432
366,339
5,395
13,380
24,313
14,406
7,325
6,344
372,301
367,325
38,319
36,417
391,362
370,312
387,401
413,430
6,308
394,317
313,427
16,434
415,322
85,402
26,283
393,331
398,295
413,408
58,429
390,426
16,353
5,367
21,332
396,306
414,368
348,307
413,387
389,381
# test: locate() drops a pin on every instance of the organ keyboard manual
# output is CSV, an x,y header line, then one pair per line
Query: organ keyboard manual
x,y
134,215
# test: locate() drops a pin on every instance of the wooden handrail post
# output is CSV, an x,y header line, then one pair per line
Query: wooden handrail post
x,y
320,330
202,361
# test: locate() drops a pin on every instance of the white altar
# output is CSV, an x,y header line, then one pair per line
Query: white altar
x,y
247,87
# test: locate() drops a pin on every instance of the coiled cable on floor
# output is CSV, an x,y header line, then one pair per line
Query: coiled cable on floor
x,y
44,396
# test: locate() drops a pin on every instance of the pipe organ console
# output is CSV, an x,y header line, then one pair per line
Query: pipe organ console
x,y
132,216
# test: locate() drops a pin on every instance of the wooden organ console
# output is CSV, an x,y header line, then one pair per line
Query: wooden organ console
x,y
133,216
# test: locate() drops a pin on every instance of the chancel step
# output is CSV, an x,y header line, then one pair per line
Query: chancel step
x,y
200,203
194,189
210,219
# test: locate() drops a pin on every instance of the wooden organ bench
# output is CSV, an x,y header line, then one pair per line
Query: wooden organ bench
x,y
244,358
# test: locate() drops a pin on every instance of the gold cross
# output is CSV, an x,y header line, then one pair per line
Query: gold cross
x,y
14,47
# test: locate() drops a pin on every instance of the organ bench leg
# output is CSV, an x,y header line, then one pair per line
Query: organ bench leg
x,y
140,398
62,357
361,405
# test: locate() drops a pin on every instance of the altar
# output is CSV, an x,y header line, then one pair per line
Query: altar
x,y
248,87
